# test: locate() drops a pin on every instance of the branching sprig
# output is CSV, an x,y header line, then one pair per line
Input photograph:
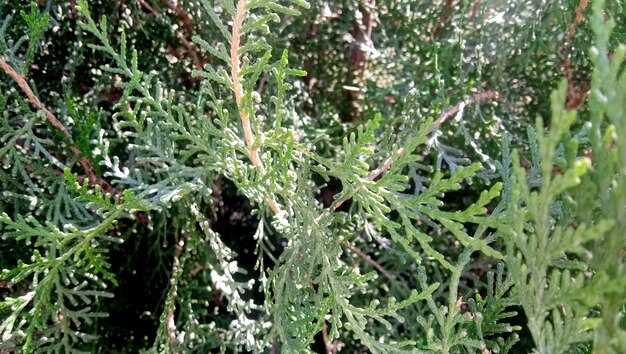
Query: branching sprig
x,y
452,257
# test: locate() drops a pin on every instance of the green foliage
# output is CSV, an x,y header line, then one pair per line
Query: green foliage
x,y
64,275
260,222
37,25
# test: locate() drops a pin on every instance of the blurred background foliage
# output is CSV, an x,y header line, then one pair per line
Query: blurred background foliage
x,y
361,56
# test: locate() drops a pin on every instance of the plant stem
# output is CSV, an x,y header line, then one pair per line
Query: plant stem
x,y
372,262
371,177
84,161
238,90
21,82
477,98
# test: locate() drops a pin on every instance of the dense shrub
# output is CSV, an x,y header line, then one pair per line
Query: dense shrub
x,y
336,176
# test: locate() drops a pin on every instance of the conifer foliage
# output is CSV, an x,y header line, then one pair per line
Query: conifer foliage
x,y
289,176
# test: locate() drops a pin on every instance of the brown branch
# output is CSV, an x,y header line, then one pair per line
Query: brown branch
x,y
448,8
359,56
580,17
184,17
148,7
262,82
372,262
194,56
187,21
83,161
327,343
332,347
197,269
477,98
171,329
73,8
474,9
21,82
575,96
384,167
238,90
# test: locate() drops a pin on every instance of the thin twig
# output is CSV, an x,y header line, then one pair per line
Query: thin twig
x,y
371,177
262,82
21,82
187,21
372,262
575,95
273,348
148,7
73,8
484,96
83,161
182,15
474,9
580,17
171,330
238,90
448,8
359,56
188,24
477,98
194,56
327,343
